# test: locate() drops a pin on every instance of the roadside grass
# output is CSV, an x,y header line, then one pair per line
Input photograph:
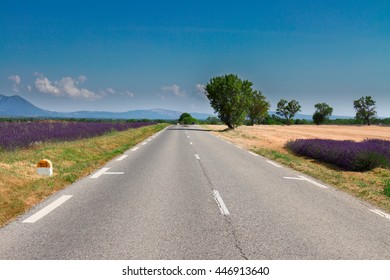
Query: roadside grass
x,y
372,186
21,187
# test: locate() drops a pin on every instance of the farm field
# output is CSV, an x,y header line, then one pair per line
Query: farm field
x,y
269,141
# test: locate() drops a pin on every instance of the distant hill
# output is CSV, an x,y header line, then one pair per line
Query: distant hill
x,y
16,106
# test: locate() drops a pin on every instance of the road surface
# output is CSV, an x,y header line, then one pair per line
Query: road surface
x,y
186,194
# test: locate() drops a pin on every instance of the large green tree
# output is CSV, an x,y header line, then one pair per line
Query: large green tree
x,y
322,113
365,109
229,96
257,107
186,118
288,109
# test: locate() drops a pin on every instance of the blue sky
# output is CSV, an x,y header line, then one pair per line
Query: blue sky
x,y
124,55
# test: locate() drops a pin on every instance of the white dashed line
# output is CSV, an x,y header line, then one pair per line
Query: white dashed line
x,y
273,163
380,213
144,143
303,178
114,173
228,142
191,143
134,149
197,156
40,214
221,205
122,158
99,173
188,136
238,146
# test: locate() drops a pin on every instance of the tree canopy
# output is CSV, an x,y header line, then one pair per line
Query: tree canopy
x,y
365,109
257,107
288,109
229,96
322,113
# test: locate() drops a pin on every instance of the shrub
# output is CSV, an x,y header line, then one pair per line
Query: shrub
x,y
386,190
349,155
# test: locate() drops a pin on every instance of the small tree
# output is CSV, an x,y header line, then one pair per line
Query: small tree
x,y
257,107
229,96
364,109
322,113
288,109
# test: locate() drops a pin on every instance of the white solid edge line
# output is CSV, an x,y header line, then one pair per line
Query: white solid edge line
x,y
134,149
380,213
144,143
238,146
40,214
273,163
122,158
114,173
252,153
99,173
228,142
197,156
221,205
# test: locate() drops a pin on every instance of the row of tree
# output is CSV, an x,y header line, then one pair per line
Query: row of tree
x,y
234,100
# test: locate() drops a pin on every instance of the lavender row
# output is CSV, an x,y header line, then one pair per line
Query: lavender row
x,y
349,155
24,134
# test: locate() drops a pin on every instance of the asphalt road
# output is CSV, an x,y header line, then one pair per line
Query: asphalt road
x,y
185,194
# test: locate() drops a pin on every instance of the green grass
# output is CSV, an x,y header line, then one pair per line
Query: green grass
x,y
21,187
386,189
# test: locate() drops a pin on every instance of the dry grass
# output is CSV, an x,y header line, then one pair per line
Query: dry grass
x,y
269,141
21,187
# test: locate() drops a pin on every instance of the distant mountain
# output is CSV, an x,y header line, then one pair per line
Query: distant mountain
x,y
16,106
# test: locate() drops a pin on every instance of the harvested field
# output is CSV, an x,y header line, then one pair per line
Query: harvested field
x,y
275,136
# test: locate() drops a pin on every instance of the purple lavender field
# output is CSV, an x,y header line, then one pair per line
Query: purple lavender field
x,y
349,155
24,134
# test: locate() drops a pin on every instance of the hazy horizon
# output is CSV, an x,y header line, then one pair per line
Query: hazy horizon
x,y
118,56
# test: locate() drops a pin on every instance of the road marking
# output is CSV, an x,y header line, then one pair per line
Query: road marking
x,y
380,213
40,214
238,146
144,143
134,149
99,173
252,153
273,163
303,178
228,142
122,157
197,156
221,205
150,139
190,143
188,136
113,173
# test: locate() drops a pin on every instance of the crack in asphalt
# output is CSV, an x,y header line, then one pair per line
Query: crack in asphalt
x,y
227,219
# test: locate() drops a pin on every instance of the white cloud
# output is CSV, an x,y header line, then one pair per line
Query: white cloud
x,y
16,80
175,89
110,90
44,85
66,86
130,94
200,92
200,88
